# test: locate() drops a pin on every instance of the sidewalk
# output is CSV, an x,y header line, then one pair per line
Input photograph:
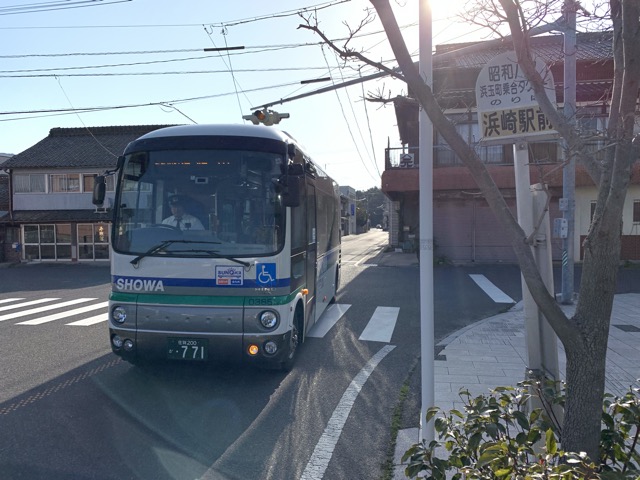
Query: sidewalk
x,y
492,353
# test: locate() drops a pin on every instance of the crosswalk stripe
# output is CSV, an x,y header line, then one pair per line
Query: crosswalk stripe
x,y
329,318
66,313
24,313
381,325
102,317
26,304
7,300
490,289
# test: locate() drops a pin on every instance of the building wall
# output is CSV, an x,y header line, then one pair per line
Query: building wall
x,y
630,229
349,225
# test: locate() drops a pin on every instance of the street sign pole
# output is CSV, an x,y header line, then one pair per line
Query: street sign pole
x,y
426,230
569,169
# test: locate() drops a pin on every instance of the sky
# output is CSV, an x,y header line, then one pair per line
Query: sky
x,y
141,62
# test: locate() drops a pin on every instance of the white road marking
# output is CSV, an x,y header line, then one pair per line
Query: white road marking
x,y
24,313
329,318
7,300
103,317
321,456
68,313
490,289
381,325
26,304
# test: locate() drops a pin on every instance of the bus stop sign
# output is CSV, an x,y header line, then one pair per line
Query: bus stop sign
x,y
507,106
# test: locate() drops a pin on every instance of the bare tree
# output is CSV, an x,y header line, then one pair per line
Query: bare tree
x,y
584,335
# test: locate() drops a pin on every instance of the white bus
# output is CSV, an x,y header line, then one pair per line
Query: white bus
x,y
225,245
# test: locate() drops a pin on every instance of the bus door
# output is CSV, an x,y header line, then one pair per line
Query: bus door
x,y
312,252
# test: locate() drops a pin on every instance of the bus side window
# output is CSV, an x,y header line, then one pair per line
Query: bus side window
x,y
298,227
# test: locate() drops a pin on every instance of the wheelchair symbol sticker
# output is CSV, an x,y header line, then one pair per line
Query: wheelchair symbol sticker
x,y
266,274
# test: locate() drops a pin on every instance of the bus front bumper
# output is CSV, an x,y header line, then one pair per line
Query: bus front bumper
x,y
136,347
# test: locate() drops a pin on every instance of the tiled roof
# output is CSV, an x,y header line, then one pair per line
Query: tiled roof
x,y
56,216
80,147
591,47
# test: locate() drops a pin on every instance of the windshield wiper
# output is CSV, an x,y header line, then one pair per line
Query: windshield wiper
x,y
162,245
214,254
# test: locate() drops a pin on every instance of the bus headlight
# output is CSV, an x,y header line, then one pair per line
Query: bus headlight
x,y
119,314
268,319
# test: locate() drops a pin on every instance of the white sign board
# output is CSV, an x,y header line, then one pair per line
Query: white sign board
x,y
507,107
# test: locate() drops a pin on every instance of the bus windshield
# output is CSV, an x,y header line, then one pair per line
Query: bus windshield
x,y
199,203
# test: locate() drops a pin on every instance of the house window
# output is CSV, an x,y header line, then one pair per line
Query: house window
x,y
64,183
88,180
93,241
47,242
29,183
636,211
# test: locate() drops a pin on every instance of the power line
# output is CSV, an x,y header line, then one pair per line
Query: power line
x,y
66,111
55,5
31,74
355,144
248,49
61,5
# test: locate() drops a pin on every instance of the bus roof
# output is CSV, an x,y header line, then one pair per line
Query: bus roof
x,y
234,130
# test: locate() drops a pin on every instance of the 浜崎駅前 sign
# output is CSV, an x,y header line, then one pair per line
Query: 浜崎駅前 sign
x,y
507,106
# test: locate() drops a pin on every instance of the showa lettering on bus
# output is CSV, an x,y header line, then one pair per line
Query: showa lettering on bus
x,y
139,284
229,275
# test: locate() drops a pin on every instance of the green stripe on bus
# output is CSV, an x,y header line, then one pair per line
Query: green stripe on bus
x,y
203,299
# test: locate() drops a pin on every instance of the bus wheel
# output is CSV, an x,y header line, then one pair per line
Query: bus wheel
x,y
294,342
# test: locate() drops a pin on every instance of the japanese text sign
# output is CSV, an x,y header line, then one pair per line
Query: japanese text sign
x,y
507,106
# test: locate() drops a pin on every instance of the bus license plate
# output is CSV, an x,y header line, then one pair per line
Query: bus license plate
x,y
187,349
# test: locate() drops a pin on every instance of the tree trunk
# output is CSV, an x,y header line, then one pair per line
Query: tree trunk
x,y
584,393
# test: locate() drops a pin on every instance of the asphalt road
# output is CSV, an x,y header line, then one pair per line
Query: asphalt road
x,y
69,409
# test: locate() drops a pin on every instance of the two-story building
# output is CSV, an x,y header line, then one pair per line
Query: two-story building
x,y
49,214
465,229
348,210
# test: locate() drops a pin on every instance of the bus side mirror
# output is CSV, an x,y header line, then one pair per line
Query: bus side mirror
x,y
99,189
293,185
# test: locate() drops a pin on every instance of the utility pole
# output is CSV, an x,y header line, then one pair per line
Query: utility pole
x,y
567,204
426,228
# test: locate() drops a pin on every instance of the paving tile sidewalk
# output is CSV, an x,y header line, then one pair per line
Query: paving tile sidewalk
x,y
492,353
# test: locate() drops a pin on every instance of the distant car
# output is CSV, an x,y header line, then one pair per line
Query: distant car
x,y
378,226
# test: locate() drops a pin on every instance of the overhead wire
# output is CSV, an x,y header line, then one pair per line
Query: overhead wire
x,y
135,105
366,114
355,143
55,5
285,13
170,104
355,117
82,122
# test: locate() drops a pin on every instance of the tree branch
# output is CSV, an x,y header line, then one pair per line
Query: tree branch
x,y
349,53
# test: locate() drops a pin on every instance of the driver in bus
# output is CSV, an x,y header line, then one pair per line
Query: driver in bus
x,y
179,217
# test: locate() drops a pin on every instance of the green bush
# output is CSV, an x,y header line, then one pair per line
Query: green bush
x,y
497,438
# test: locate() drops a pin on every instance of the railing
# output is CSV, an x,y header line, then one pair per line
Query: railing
x,y
444,156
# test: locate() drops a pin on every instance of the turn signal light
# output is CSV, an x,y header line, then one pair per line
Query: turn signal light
x,y
253,350
305,291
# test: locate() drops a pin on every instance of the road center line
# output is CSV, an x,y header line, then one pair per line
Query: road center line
x,y
321,456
